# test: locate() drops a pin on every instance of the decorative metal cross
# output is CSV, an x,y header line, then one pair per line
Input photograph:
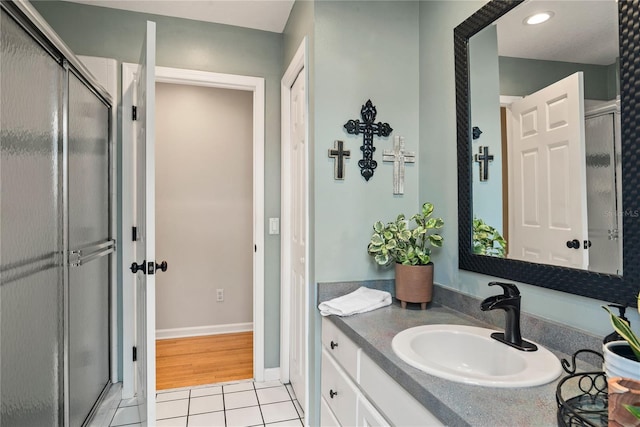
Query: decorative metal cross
x,y
483,158
338,154
368,128
399,157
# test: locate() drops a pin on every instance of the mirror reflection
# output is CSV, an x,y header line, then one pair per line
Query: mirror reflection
x,y
546,146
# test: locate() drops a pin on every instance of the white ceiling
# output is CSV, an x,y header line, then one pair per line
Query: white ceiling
x,y
267,15
581,31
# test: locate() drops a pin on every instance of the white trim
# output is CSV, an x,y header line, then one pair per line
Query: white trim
x,y
225,81
298,63
271,374
606,107
126,246
198,331
506,100
258,226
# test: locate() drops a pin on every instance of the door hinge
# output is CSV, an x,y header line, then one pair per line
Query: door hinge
x,y
255,248
135,354
134,234
134,113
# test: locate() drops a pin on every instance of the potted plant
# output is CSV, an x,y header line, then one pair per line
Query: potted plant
x,y
487,240
622,358
410,249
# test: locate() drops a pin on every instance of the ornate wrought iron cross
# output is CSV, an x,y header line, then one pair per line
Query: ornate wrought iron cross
x,y
483,158
338,153
369,129
399,157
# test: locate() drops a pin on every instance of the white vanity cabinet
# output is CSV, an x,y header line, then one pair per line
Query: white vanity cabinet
x,y
357,392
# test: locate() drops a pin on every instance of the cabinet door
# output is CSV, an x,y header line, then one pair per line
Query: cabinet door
x,y
327,419
338,390
391,398
367,415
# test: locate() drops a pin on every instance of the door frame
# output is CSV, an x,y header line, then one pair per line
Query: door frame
x,y
299,62
206,79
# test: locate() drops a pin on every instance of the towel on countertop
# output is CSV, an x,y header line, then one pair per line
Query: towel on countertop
x,y
359,301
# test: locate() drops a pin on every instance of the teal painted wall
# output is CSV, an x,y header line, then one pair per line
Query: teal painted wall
x,y
181,43
362,50
299,25
520,77
484,85
356,61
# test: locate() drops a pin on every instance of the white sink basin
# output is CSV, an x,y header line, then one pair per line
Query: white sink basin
x,y
469,355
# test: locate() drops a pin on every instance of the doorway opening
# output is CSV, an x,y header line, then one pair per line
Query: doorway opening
x,y
253,87
204,214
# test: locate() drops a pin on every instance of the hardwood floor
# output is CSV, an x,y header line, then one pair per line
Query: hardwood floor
x,y
183,362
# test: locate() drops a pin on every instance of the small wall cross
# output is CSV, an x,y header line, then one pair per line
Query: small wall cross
x,y
483,158
338,154
368,128
399,157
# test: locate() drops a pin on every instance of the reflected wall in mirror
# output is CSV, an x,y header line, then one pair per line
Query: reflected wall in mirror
x,y
546,99
556,106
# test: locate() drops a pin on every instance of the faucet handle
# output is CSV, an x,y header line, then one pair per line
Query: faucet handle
x,y
510,290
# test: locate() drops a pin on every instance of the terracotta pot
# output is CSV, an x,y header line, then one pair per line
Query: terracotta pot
x,y
414,283
623,391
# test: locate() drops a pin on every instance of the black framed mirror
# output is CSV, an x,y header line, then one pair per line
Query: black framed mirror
x,y
621,289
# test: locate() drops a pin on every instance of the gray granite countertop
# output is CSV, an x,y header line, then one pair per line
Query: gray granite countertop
x,y
455,404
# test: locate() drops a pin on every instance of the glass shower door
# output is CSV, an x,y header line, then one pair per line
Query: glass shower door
x,y
91,247
31,286
602,198
56,246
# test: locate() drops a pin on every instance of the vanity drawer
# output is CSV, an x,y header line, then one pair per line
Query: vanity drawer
x,y
340,347
338,390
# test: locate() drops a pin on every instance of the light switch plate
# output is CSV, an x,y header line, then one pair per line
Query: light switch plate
x,y
274,225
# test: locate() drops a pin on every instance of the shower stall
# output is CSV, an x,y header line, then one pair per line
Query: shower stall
x,y
56,241
604,187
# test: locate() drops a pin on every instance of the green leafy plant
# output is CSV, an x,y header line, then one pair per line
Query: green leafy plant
x,y
398,242
635,410
487,240
622,327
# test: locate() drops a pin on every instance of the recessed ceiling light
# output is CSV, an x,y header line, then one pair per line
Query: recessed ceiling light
x,y
538,18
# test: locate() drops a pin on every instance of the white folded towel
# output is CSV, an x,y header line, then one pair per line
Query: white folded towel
x,y
358,301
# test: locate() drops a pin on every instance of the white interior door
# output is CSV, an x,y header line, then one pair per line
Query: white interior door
x,y
298,244
548,199
145,222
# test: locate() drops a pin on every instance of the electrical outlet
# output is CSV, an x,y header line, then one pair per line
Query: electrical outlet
x,y
219,295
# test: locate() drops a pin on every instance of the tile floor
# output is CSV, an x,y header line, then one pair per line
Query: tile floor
x,y
237,404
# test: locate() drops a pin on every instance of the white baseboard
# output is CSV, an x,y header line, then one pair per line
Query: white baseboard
x,y
272,374
163,334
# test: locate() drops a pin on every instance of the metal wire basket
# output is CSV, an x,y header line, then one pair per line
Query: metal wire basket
x,y
582,398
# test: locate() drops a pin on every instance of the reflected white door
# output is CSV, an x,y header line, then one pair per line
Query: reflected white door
x,y
145,370
298,279
548,199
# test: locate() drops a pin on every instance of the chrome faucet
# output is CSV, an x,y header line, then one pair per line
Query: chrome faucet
x,y
509,301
